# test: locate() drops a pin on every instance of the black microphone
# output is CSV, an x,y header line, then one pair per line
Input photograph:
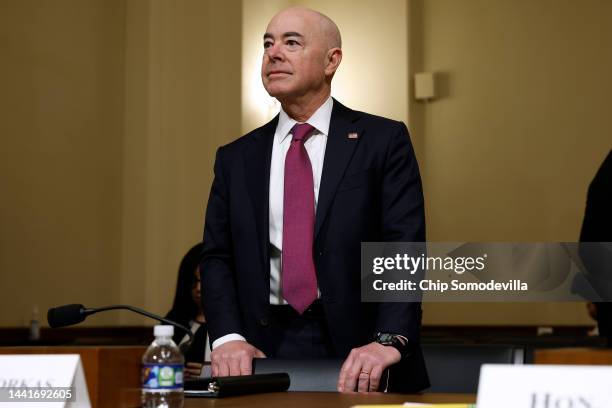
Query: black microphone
x,y
68,315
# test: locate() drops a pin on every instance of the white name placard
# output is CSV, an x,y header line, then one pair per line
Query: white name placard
x,y
544,386
50,381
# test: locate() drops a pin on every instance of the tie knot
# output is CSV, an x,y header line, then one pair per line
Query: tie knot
x,y
301,130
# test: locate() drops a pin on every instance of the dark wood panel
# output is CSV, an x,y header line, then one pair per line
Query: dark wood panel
x,y
142,335
582,356
324,399
109,371
114,335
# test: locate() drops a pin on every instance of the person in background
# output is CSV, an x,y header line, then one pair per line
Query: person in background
x,y
187,310
597,227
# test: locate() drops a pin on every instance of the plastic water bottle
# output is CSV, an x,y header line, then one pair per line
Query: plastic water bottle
x,y
34,325
162,371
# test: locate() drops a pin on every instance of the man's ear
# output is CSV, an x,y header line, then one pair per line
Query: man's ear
x,y
332,60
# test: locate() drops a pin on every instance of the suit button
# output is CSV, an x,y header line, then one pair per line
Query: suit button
x,y
264,322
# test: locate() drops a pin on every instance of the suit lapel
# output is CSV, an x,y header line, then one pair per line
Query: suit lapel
x,y
338,152
257,159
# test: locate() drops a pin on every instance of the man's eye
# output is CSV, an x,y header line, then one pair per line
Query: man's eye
x,y
267,44
292,42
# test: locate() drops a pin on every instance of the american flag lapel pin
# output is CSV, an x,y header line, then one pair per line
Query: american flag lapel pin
x,y
353,135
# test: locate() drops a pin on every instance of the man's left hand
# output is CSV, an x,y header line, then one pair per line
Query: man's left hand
x,y
364,366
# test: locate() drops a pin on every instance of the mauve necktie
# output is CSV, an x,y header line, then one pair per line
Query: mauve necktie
x,y
298,272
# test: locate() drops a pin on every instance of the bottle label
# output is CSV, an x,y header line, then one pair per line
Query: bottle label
x,y
162,376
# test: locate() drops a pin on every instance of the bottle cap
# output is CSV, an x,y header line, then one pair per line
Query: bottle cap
x,y
163,330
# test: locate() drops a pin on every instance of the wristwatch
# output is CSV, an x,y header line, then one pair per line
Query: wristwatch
x,y
399,342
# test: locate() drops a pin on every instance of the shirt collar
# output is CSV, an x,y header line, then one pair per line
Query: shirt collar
x,y
319,120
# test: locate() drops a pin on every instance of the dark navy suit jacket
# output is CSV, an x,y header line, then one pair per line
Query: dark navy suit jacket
x,y
370,191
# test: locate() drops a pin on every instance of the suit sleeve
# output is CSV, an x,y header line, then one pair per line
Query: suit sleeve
x,y
403,220
217,267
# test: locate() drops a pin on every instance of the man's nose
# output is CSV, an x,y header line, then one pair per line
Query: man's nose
x,y
274,52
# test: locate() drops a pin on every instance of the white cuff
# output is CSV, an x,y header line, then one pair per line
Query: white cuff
x,y
228,337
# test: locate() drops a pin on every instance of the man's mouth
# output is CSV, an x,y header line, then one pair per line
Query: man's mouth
x,y
278,73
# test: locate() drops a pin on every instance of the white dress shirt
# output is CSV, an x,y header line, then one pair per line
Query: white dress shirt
x,y
315,147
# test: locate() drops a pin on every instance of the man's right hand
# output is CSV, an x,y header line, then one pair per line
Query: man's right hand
x,y
234,358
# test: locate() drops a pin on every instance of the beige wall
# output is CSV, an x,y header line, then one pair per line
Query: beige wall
x,y
519,129
61,107
111,115
183,101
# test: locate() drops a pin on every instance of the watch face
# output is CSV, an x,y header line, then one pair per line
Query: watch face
x,y
385,338
396,341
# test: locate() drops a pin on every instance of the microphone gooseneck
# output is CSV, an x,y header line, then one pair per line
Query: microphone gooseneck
x,y
68,315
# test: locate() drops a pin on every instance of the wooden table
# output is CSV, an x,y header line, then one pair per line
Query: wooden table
x,y
324,399
113,380
574,355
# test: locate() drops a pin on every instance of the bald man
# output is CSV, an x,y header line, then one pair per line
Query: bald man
x,y
290,204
